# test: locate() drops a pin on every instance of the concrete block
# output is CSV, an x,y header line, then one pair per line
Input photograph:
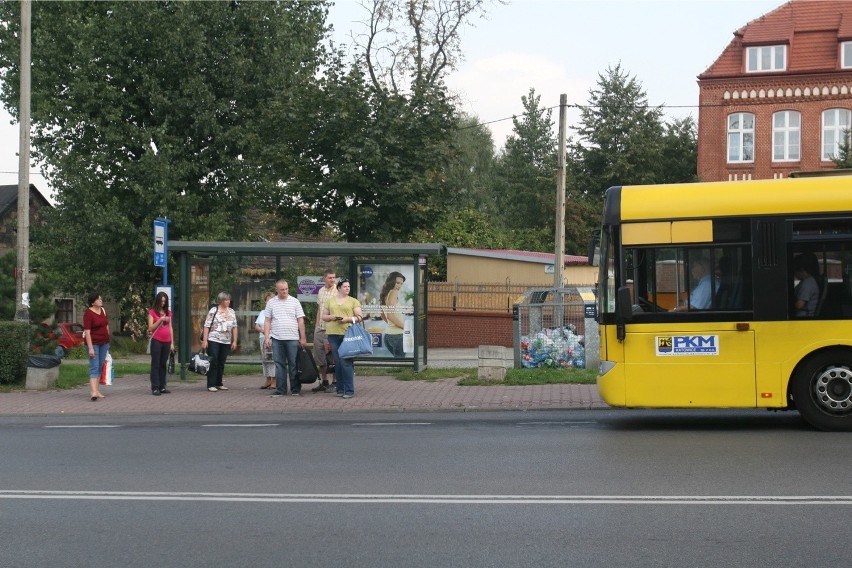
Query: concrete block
x,y
491,373
41,379
493,352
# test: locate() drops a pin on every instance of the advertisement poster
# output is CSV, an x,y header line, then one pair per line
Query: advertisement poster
x,y
386,293
199,298
307,288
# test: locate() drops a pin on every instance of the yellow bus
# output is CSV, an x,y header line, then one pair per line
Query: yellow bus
x,y
703,301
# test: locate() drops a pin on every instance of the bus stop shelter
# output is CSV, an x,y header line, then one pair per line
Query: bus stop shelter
x,y
371,262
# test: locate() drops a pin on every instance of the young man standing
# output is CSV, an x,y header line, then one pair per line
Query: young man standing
x,y
284,330
321,345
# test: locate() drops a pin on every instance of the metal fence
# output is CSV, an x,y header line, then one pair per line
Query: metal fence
x,y
475,297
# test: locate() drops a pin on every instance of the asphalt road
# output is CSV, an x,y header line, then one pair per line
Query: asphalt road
x,y
573,488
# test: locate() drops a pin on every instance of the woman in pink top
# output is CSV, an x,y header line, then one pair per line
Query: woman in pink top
x,y
162,342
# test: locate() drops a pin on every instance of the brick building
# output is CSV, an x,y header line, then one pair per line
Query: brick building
x,y
779,97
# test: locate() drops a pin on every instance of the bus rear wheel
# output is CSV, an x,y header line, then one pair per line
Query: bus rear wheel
x,y
822,390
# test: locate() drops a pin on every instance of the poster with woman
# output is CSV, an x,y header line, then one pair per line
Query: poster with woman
x,y
386,293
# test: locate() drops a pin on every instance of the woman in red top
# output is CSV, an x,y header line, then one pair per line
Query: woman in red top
x,y
96,332
162,342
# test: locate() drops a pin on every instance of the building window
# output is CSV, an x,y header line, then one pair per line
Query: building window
x,y
766,58
835,129
64,311
846,54
741,137
786,136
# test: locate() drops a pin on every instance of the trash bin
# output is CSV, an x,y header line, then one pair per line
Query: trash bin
x,y
43,361
42,371
549,328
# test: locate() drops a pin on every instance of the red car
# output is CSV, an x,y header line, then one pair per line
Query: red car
x,y
70,337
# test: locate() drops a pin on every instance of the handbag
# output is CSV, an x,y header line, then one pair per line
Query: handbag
x,y
199,363
306,368
170,368
107,371
356,342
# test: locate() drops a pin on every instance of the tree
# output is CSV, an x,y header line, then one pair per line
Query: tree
x,y
383,144
526,170
844,152
678,161
620,138
471,170
41,302
410,45
141,109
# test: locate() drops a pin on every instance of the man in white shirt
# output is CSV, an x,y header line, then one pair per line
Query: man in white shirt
x,y
284,330
321,345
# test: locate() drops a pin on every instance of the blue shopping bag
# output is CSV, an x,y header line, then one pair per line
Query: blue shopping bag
x,y
356,342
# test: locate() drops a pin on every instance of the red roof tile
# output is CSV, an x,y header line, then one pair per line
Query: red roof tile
x,y
811,28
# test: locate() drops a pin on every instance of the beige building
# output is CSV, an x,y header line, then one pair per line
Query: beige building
x,y
490,266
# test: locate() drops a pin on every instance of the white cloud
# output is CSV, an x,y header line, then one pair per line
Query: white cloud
x,y
491,88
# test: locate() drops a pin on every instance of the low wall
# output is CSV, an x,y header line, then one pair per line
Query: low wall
x,y
469,329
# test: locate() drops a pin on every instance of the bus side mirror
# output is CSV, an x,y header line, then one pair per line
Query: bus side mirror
x,y
623,311
595,250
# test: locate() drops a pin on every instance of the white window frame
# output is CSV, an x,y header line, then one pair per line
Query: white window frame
x,y
841,123
764,58
787,139
742,134
846,54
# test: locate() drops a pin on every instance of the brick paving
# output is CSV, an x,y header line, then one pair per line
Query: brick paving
x,y
131,395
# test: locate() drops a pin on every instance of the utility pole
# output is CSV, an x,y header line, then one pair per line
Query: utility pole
x,y
22,273
559,260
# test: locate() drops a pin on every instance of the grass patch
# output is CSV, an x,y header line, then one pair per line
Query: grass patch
x,y
538,377
73,375
468,377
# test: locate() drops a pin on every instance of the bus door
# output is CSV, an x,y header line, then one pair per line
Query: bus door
x,y
687,340
679,366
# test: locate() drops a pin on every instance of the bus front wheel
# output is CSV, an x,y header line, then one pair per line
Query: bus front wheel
x,y
822,390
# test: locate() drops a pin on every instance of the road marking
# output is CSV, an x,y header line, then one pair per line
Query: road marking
x,y
87,426
392,424
560,422
238,425
438,499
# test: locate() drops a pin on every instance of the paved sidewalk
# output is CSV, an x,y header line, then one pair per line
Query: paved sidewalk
x,y
132,395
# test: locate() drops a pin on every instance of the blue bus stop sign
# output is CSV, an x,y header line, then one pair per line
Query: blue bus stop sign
x,y
161,242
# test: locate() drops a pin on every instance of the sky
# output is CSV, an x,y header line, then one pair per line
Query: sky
x,y
555,47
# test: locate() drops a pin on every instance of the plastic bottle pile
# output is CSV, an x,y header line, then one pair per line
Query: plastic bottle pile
x,y
559,347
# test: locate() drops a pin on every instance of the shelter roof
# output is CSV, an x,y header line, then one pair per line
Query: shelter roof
x,y
215,248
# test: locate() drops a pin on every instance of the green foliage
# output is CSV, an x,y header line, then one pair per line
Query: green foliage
x,y
526,170
678,162
42,306
844,154
44,338
620,136
538,377
380,161
146,109
14,336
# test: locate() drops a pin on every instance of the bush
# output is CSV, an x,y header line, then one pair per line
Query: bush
x,y
44,339
14,337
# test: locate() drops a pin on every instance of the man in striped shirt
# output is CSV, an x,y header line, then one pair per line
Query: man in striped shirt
x,y
284,330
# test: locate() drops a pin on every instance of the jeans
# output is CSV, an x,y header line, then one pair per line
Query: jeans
x,y
284,353
96,363
159,360
394,344
218,353
344,369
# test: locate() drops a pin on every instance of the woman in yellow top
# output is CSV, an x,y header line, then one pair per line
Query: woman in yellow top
x,y
339,313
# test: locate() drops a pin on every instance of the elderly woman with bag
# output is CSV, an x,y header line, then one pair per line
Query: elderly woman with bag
x,y
339,312
220,338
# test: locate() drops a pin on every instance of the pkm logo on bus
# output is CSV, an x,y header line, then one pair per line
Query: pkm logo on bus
x,y
672,345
